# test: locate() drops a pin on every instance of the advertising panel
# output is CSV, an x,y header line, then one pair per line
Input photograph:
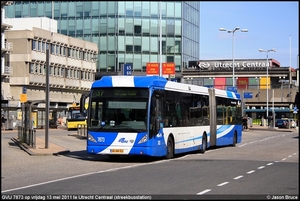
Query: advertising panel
x,y
242,82
220,82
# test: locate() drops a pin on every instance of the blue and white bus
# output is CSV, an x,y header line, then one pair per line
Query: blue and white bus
x,y
151,116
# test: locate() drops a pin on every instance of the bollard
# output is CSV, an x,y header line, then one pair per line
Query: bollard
x,y
34,138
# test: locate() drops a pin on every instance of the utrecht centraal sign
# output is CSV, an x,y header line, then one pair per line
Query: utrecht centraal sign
x,y
226,65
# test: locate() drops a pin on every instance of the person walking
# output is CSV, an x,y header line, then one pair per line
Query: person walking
x,y
3,120
245,123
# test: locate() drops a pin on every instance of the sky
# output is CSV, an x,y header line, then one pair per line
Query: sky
x,y
270,24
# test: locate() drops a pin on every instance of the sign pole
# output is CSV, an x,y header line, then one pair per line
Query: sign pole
x,y
47,98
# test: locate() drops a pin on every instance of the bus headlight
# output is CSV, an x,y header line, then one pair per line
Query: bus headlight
x,y
79,126
143,139
91,138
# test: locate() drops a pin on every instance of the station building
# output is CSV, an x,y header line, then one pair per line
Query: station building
x,y
252,80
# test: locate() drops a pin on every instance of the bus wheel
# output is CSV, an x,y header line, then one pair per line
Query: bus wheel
x,y
234,139
204,144
170,148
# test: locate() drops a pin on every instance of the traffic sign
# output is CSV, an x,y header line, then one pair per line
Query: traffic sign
x,y
23,98
154,68
128,69
248,95
234,89
24,89
295,110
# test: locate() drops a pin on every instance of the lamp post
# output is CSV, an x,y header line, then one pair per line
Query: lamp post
x,y
281,80
267,52
232,31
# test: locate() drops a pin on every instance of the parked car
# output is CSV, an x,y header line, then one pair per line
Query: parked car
x,y
285,123
281,123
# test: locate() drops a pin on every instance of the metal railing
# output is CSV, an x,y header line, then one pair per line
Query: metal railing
x,y
27,136
8,46
7,70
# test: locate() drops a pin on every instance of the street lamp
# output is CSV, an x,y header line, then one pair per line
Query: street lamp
x,y
232,31
267,52
281,80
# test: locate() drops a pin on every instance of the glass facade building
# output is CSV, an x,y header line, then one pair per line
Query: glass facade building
x,y
125,31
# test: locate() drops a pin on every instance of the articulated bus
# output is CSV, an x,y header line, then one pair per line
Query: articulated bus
x,y
76,118
151,116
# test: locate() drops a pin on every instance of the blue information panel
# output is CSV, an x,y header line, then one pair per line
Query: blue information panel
x,y
248,95
24,90
128,69
234,89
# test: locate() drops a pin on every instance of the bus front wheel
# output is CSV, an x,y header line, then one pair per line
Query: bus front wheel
x,y
234,139
170,148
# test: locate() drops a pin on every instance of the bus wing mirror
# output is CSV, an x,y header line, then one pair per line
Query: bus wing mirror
x,y
82,102
159,94
157,124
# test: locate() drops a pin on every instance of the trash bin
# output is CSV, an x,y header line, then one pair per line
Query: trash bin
x,y
10,124
249,122
52,123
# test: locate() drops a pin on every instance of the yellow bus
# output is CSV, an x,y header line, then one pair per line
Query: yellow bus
x,y
75,118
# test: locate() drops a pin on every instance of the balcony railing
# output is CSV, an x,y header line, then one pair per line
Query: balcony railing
x,y
8,47
7,71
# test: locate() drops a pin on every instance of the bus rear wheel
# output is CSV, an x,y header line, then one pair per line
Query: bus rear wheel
x,y
204,144
170,148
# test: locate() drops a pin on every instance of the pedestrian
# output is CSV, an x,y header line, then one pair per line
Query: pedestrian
x,y
3,120
245,123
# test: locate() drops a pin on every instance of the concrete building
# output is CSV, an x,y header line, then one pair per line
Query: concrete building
x,y
6,49
127,32
71,66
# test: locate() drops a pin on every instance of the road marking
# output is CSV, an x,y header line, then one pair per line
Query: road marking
x,y
203,192
224,183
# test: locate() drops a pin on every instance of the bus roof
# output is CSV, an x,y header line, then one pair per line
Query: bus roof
x,y
130,81
158,82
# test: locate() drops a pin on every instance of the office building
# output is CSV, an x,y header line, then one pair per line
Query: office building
x,y
71,68
127,32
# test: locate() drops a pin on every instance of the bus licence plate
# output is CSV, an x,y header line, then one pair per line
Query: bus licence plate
x,y
116,150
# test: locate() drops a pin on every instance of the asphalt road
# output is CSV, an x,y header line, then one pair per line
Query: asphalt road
x,y
266,163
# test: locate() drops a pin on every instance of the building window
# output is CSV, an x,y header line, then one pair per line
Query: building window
x,y
129,48
31,69
43,47
137,48
62,72
33,45
137,29
39,45
53,49
41,69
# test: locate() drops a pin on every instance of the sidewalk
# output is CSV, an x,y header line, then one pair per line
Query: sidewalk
x,y
40,150
266,128
55,149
